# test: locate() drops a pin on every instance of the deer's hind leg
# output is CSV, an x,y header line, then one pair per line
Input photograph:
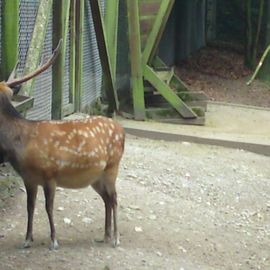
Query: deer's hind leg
x,y
106,189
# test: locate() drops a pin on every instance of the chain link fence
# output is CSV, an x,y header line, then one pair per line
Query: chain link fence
x,y
42,88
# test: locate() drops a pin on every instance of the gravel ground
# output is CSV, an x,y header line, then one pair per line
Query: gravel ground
x,y
181,206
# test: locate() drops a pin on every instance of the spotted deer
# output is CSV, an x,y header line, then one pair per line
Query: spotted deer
x,y
70,154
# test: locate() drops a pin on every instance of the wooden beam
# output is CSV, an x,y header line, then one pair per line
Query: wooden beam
x,y
72,67
9,36
135,59
60,8
79,53
157,30
111,30
168,93
36,44
104,56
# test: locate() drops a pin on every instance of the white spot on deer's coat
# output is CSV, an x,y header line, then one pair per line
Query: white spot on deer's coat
x,y
56,144
92,154
102,164
81,146
58,133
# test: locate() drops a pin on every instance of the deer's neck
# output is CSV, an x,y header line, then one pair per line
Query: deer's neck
x,y
10,132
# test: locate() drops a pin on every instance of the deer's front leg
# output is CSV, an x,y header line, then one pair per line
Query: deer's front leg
x,y
31,200
49,192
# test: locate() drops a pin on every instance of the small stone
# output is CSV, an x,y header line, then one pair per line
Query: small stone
x,y
138,229
134,207
186,143
182,249
87,220
159,253
153,217
22,189
67,221
60,208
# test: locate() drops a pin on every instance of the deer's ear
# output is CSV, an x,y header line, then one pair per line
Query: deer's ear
x,y
6,90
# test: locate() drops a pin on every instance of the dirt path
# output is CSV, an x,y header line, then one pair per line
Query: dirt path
x,y
181,206
221,74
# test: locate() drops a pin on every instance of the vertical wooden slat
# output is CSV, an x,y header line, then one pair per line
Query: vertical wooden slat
x,y
79,53
36,44
10,36
157,30
58,67
72,50
104,56
135,58
111,29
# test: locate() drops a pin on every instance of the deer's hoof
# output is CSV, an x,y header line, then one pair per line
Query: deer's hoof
x,y
116,241
54,245
27,244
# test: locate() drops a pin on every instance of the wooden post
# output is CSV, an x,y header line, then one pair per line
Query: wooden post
x,y
36,44
79,53
135,58
58,67
111,30
104,56
72,51
10,35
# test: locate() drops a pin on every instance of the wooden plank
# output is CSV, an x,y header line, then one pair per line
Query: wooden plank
x,y
157,31
175,81
60,8
157,100
22,103
168,94
104,56
36,44
72,67
68,109
9,36
79,53
111,29
135,57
